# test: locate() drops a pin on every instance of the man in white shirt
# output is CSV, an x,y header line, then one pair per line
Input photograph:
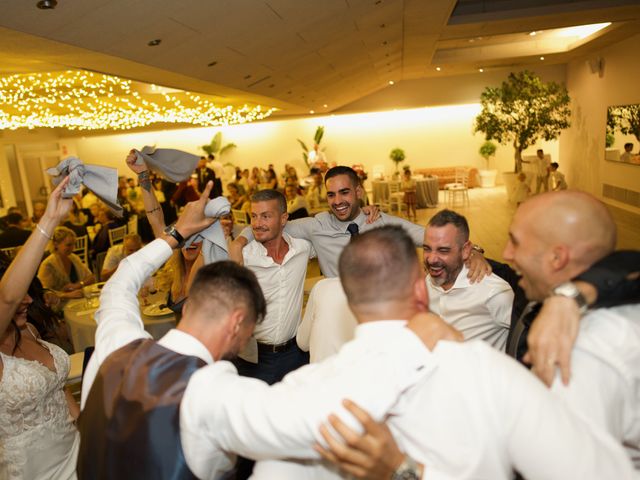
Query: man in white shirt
x,y
542,164
279,261
328,323
130,244
475,414
552,239
172,408
479,310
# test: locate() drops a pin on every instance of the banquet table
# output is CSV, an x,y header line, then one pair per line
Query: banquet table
x,y
82,326
380,191
427,192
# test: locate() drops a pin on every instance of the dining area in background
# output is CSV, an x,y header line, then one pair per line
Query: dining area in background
x,y
157,318
426,191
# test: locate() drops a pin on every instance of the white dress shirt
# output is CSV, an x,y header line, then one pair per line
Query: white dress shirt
x,y
329,235
283,289
114,256
328,322
605,374
222,412
480,310
297,203
477,415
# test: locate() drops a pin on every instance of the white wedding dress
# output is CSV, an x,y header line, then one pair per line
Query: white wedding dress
x,y
38,439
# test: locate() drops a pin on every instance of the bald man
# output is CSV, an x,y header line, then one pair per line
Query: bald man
x,y
553,238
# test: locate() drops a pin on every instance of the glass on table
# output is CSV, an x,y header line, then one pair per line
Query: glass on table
x,y
91,296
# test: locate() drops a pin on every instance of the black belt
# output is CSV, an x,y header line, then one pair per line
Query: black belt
x,y
280,347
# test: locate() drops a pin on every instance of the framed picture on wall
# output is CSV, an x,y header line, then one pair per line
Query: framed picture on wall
x,y
623,134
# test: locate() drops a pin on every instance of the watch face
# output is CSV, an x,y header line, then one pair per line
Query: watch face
x,y
567,290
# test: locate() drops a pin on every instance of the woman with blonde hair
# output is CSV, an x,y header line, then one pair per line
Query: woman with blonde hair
x,y
63,271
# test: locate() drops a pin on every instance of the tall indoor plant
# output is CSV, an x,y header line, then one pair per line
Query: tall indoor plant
x,y
397,156
523,110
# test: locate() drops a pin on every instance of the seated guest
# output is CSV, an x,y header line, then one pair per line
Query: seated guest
x,y
131,243
558,181
317,193
297,206
107,220
46,315
479,310
13,235
76,221
63,271
236,199
38,212
187,191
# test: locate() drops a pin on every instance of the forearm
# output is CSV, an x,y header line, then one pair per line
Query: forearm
x,y
151,205
16,280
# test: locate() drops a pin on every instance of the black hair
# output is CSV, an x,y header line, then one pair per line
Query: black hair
x,y
449,217
342,170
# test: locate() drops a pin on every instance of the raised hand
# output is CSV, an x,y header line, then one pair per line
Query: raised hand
x,y
193,219
57,207
131,163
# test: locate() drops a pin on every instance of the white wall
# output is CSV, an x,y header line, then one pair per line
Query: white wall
x,y
582,146
437,136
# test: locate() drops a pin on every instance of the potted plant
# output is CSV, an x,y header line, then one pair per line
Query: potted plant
x,y
397,156
521,111
317,154
487,176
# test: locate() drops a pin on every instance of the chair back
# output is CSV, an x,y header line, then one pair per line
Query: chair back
x,y
116,235
10,252
394,187
462,176
99,262
81,249
240,217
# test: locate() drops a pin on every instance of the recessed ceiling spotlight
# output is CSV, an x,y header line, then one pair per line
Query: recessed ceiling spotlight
x,y
155,43
383,25
385,42
47,4
391,82
247,77
481,70
541,58
325,105
312,112
438,69
212,64
533,34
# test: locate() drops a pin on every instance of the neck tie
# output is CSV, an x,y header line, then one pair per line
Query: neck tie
x,y
353,230
520,330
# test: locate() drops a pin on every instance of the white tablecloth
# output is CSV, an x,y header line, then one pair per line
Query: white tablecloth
x,y
82,326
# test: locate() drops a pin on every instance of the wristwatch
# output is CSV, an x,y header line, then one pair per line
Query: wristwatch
x,y
569,290
407,470
171,230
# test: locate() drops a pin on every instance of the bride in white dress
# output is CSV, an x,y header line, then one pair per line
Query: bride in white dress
x,y
38,438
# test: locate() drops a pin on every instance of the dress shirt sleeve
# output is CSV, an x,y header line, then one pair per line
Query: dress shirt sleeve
x,y
416,232
304,329
500,304
545,438
111,260
244,415
118,317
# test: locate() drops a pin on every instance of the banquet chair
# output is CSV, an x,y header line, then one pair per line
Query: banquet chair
x,y
459,188
240,217
81,249
10,252
396,198
116,235
97,266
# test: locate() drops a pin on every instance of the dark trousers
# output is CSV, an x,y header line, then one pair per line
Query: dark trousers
x,y
271,368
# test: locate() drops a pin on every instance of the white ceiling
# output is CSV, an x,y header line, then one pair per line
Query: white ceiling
x,y
297,55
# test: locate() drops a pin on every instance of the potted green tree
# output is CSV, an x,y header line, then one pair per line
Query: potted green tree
x,y
487,176
521,111
397,156
317,153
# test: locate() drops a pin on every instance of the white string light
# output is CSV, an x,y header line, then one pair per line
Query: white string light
x,y
82,100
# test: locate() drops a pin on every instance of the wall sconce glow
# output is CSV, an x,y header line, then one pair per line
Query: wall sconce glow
x,y
82,100
582,31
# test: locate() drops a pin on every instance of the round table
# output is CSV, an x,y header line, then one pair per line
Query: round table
x,y
381,190
82,326
427,192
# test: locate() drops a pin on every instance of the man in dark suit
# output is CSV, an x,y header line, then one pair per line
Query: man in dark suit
x,y
13,235
204,174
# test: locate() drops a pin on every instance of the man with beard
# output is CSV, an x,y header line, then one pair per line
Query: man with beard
x,y
279,261
479,310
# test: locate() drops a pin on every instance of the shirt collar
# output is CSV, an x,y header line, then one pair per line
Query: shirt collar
x,y
377,328
262,250
185,344
342,226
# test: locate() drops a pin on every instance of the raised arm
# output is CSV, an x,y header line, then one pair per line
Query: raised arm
x,y
17,278
151,205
